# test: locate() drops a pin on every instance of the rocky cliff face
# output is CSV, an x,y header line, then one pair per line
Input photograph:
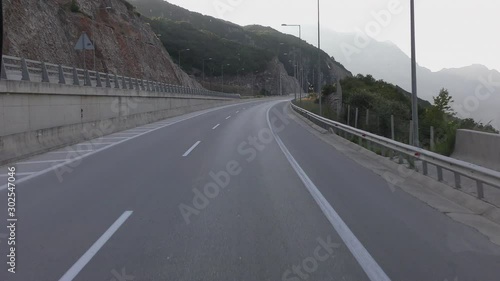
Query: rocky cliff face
x,y
48,31
260,83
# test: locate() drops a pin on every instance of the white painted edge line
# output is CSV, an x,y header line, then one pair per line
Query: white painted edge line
x,y
365,260
70,151
79,158
39,162
228,117
215,127
80,264
191,149
112,138
126,133
17,174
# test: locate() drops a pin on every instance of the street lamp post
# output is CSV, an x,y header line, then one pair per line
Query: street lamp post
x,y
204,68
238,78
414,99
222,67
180,51
299,65
319,61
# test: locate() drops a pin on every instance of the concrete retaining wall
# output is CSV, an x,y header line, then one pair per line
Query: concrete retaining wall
x,y
35,117
479,148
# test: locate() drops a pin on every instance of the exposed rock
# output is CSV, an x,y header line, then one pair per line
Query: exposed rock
x,y
48,31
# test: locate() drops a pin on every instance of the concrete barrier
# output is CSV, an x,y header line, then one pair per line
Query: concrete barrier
x,y
36,117
479,148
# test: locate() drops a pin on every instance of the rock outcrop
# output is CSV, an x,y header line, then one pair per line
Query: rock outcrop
x,y
125,44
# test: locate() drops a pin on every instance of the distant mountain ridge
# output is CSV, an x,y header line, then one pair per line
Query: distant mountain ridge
x,y
475,89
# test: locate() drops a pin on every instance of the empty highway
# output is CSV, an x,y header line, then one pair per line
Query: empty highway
x,y
240,192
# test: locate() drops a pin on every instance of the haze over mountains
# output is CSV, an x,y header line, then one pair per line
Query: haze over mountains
x,y
475,88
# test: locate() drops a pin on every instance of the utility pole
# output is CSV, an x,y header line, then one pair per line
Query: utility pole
x,y
414,108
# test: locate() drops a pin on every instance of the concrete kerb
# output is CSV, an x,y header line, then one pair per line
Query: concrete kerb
x,y
438,195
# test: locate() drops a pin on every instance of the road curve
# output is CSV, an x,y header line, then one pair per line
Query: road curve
x,y
219,195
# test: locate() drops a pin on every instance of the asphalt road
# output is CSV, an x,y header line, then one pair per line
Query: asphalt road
x,y
217,195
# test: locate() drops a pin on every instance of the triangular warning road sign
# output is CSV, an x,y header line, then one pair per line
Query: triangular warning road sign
x,y
84,43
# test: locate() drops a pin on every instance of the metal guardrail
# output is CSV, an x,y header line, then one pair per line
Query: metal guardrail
x,y
14,68
459,168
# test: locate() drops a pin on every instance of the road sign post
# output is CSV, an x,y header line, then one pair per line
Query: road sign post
x,y
84,43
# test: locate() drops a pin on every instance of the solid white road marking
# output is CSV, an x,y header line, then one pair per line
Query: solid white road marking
x,y
191,149
69,151
112,138
215,127
365,260
80,264
228,117
40,162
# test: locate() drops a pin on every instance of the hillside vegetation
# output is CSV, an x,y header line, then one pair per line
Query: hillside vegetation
x,y
383,99
247,49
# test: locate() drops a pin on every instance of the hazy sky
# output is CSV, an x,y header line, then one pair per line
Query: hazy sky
x,y
450,33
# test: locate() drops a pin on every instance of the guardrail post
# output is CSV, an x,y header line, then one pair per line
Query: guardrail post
x,y
480,190
433,144
98,82
439,173
76,81
45,73
410,137
108,81
348,115
136,82
393,137
458,183
117,83
124,83
62,80
4,71
130,85
400,158
356,119
425,169
147,85
24,71
86,78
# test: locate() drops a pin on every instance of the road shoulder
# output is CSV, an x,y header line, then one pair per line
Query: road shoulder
x,y
459,206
